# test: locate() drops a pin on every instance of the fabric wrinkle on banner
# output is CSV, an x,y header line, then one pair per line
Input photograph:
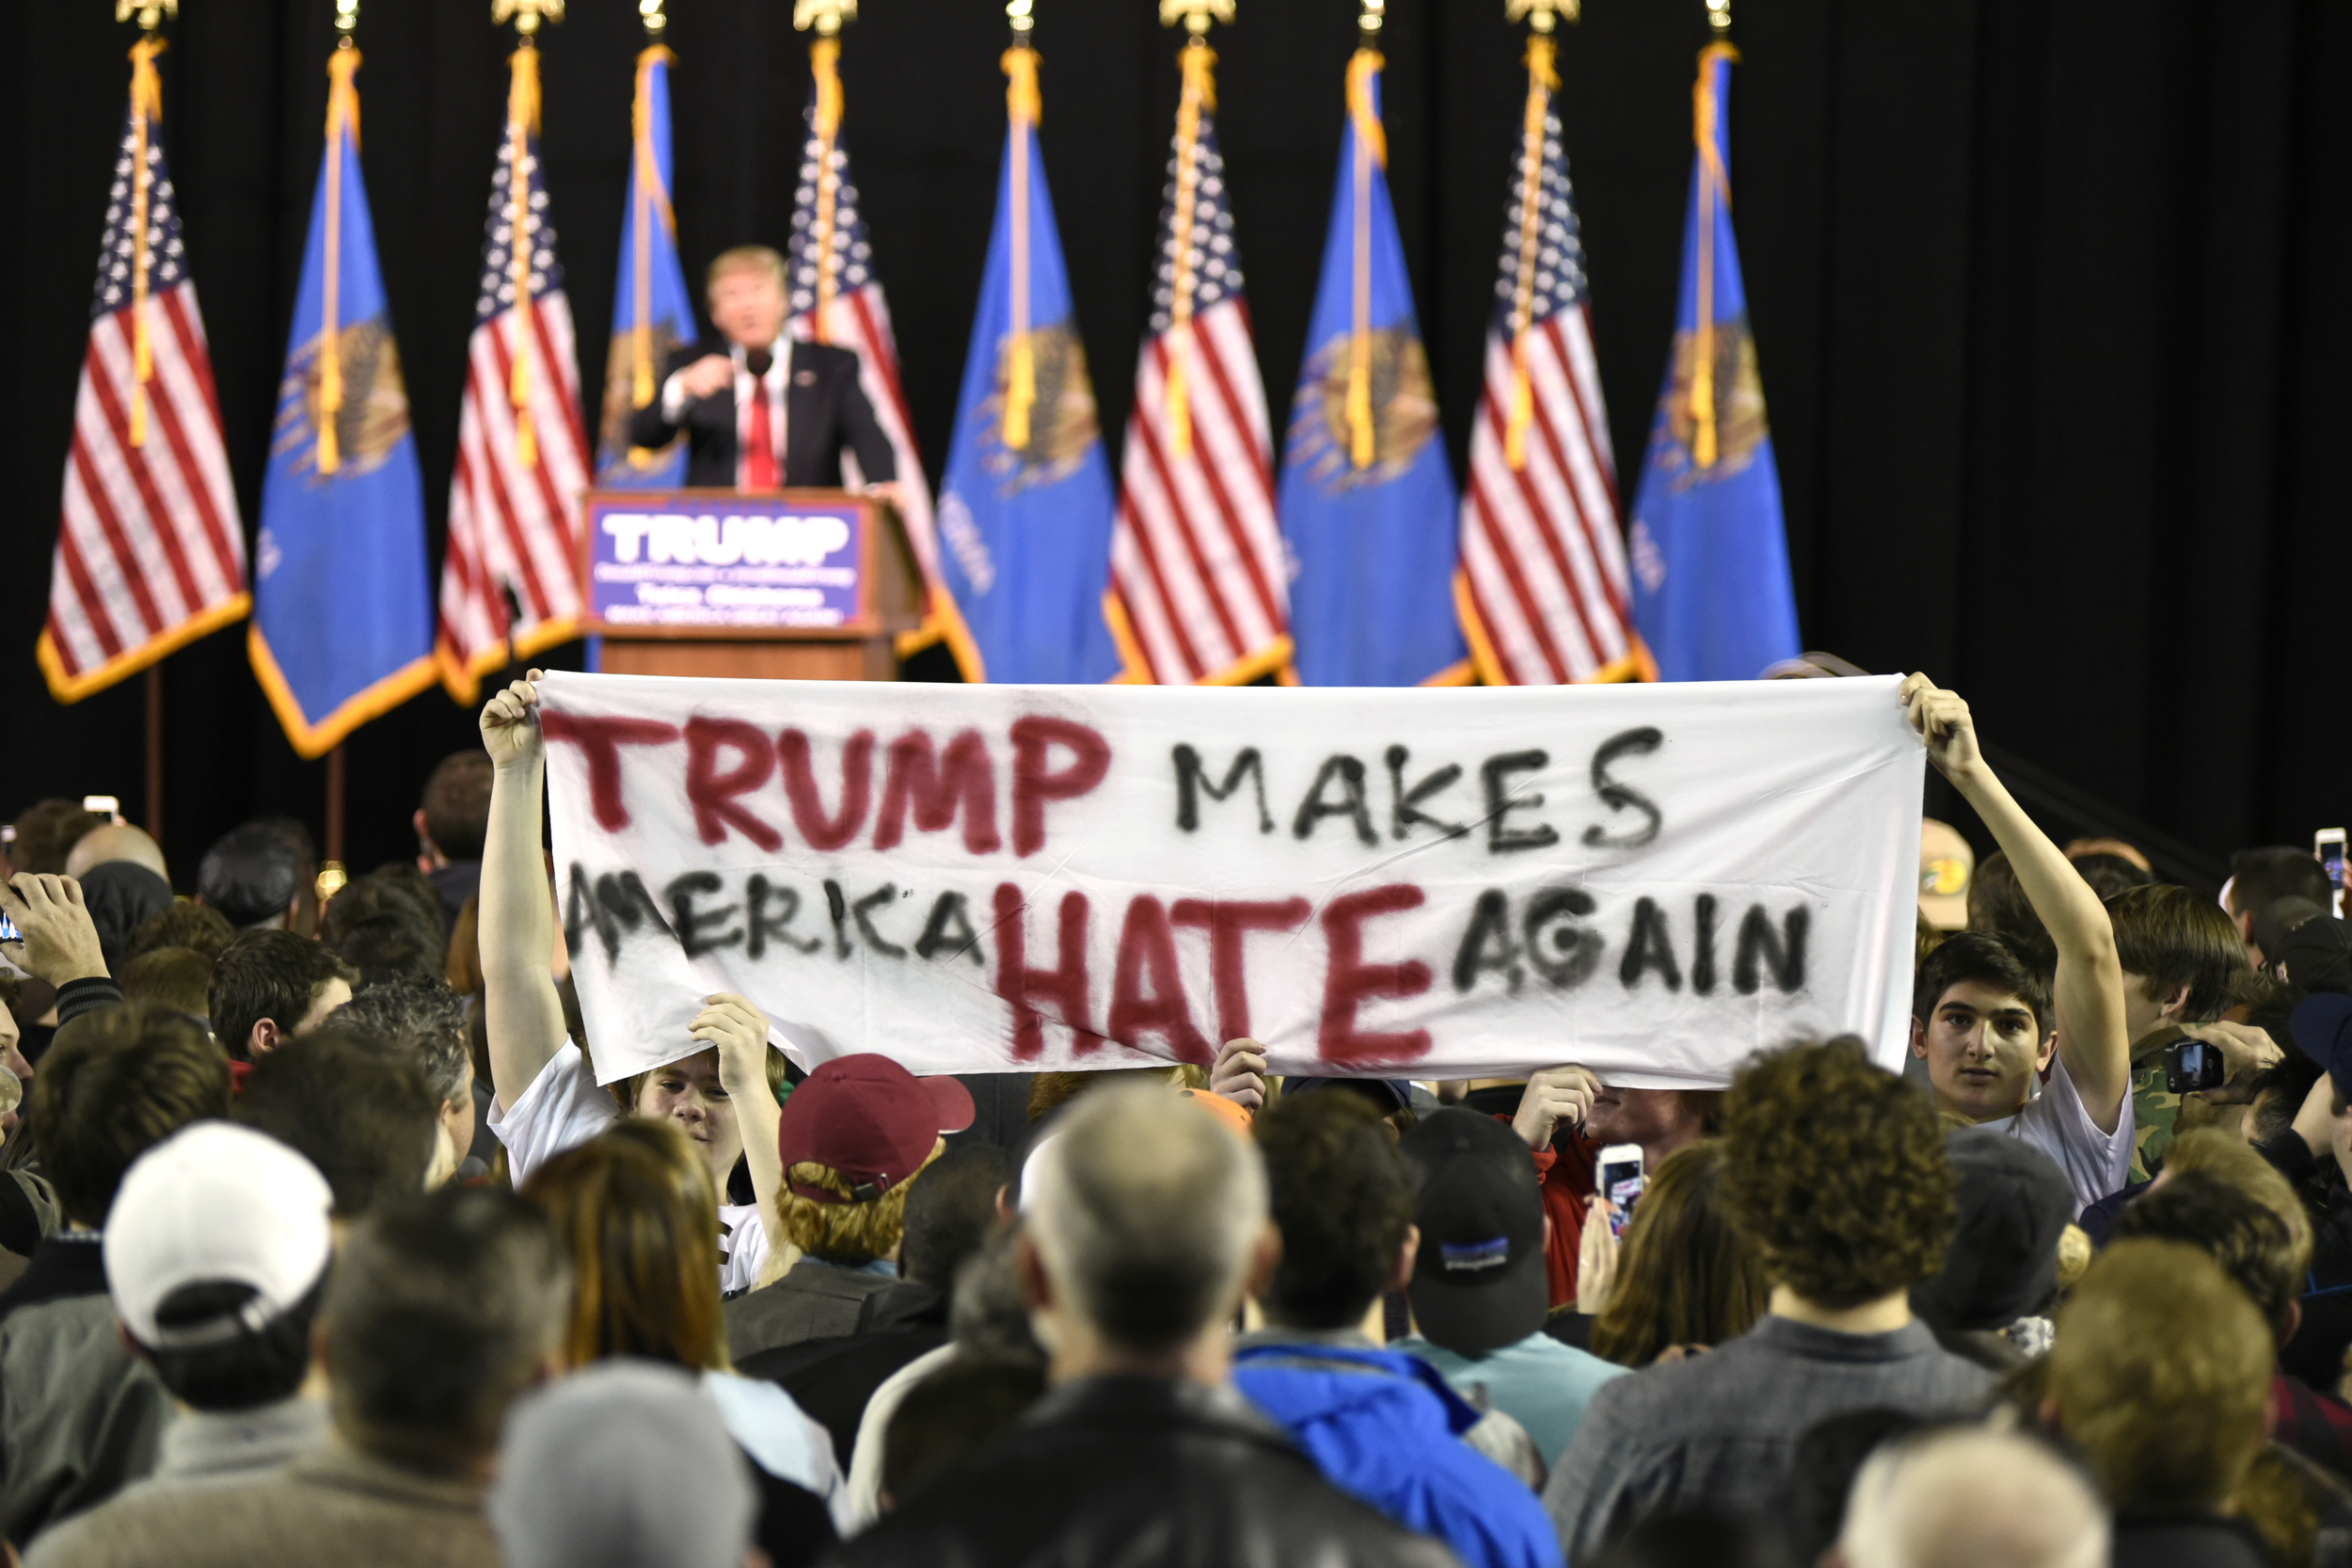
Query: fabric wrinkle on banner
x,y
1654,881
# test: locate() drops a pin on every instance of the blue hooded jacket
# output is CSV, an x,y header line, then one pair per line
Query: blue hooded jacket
x,y
1388,1428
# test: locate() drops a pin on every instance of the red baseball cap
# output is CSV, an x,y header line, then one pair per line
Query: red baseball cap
x,y
869,1118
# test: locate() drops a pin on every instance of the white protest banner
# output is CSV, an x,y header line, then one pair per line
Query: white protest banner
x,y
1652,881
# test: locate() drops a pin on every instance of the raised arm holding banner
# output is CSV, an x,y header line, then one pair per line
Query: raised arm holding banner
x,y
1653,882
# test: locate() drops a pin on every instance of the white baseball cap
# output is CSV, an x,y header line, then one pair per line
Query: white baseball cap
x,y
215,1202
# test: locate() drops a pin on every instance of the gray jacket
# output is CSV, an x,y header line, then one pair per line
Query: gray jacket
x,y
1721,1429
334,1505
817,1299
80,1417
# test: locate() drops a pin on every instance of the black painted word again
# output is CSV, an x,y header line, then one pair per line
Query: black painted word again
x,y
1344,793
1547,936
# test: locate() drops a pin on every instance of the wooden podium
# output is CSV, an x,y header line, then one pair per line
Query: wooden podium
x,y
774,584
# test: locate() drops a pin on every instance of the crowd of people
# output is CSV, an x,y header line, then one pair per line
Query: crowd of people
x,y
320,1242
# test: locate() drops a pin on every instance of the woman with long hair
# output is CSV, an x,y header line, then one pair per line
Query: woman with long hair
x,y
632,1207
1687,1277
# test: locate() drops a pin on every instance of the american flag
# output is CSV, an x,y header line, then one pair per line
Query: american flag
x,y
522,450
1197,591
1542,587
150,550
836,299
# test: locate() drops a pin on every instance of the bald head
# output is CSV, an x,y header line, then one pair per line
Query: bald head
x,y
1147,1214
1921,1504
116,841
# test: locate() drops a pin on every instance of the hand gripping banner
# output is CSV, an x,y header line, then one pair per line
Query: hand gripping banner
x,y
1652,881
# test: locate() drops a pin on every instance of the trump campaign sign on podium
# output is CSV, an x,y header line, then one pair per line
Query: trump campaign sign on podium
x,y
715,562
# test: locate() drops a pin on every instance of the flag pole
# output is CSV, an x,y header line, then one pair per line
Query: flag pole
x,y
155,751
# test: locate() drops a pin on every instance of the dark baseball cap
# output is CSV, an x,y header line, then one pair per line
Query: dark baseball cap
x,y
2002,1265
1478,1281
869,1118
250,874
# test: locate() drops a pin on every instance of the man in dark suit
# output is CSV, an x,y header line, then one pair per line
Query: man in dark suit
x,y
760,410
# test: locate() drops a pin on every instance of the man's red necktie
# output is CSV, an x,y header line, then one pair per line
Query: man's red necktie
x,y
759,460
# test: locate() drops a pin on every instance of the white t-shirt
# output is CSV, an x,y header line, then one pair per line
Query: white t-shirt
x,y
782,1438
564,1108
2053,1121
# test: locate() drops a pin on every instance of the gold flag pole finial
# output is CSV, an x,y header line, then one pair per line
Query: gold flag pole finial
x,y
1540,14
526,14
148,13
1719,17
1196,14
649,12
825,16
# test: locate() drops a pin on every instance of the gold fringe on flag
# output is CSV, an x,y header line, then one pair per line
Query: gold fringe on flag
x,y
1200,93
1714,182
1542,80
652,199
522,122
147,103
1024,109
342,115
824,56
1371,147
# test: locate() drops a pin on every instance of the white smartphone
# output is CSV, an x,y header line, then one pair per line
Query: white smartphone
x,y
106,806
2328,848
1621,1182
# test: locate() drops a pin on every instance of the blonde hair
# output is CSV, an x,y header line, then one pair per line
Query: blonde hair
x,y
2227,1159
745,258
846,1233
2169,1421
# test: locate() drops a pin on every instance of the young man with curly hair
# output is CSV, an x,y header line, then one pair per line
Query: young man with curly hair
x,y
1985,1022
1838,1169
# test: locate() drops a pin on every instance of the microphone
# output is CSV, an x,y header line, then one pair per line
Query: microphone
x,y
757,361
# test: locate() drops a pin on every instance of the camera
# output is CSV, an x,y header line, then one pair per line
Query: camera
x,y
2191,1064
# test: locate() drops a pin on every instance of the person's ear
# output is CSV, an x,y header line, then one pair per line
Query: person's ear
x,y
1265,1259
2048,1050
1918,1039
2176,1004
2289,1321
1036,1289
2047,1414
265,1038
122,1332
423,837
1410,1253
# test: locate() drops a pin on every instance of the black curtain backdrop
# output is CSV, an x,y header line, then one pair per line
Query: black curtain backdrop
x,y
2044,292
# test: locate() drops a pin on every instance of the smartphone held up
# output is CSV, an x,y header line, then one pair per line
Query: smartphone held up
x,y
1621,1182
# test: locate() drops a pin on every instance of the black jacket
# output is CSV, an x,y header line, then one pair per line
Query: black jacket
x,y
1145,1474
824,410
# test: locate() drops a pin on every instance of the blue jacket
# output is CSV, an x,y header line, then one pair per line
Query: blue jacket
x,y
1388,1428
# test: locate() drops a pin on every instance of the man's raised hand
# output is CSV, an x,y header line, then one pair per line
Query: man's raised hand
x,y
1555,1095
1941,719
510,724
58,944
737,1026
1239,1074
